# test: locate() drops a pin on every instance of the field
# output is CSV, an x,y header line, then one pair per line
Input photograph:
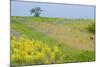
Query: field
x,y
43,40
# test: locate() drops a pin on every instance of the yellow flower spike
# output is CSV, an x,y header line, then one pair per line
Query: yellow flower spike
x,y
31,51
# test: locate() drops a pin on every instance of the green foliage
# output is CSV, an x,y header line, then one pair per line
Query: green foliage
x,y
91,28
36,11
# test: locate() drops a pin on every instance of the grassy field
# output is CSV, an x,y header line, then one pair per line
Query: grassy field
x,y
42,40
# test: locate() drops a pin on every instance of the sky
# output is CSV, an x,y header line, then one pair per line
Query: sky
x,y
19,8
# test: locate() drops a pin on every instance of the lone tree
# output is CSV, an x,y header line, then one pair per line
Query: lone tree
x,y
36,11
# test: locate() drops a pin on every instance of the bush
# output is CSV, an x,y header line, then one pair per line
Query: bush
x,y
91,28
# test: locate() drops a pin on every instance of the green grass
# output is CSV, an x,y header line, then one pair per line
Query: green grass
x,y
31,33
75,43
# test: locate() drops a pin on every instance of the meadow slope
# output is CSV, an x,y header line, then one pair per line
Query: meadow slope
x,y
66,38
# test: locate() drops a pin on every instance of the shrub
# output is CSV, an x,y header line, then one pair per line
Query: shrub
x,y
91,28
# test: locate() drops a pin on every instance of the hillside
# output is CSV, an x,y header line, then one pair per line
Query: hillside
x,y
43,40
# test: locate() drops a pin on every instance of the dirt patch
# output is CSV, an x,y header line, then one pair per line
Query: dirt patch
x,y
73,38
